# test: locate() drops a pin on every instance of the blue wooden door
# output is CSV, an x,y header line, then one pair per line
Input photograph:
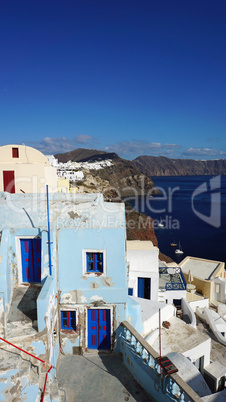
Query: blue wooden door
x,y
31,260
99,329
144,288
141,287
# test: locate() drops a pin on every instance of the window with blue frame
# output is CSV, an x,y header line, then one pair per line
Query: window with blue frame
x,y
94,262
68,320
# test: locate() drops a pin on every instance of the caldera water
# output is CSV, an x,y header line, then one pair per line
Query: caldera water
x,y
190,210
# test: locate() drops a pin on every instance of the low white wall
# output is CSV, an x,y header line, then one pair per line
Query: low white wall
x,y
221,328
206,316
199,303
188,311
152,337
203,349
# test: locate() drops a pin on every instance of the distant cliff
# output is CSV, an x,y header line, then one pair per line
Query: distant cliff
x,y
161,166
123,177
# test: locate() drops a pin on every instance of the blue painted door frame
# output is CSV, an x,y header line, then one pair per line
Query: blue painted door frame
x,y
99,329
31,260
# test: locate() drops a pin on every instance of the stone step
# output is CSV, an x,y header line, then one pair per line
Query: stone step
x,y
16,328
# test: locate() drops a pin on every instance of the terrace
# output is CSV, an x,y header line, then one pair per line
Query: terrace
x,y
171,278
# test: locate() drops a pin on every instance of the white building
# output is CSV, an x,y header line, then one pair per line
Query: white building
x,y
172,285
219,290
143,269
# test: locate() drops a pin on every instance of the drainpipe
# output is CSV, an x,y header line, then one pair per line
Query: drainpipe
x,y
49,243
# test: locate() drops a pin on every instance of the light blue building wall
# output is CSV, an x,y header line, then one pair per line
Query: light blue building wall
x,y
79,224
112,284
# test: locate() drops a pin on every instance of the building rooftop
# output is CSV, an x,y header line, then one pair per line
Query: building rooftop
x,y
148,307
179,337
200,268
140,245
74,211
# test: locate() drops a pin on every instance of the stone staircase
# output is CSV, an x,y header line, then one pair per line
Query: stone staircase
x,y
22,377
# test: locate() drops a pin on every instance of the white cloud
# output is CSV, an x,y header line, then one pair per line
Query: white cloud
x,y
200,152
54,145
83,139
140,147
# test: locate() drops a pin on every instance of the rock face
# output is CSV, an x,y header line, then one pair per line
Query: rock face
x,y
141,227
122,179
161,166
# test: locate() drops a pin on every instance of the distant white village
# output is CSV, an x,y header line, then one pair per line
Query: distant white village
x,y
72,284
74,171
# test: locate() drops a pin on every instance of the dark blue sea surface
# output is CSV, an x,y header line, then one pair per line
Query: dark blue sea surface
x,y
193,211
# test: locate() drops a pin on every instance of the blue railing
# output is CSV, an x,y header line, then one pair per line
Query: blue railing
x,y
175,286
141,359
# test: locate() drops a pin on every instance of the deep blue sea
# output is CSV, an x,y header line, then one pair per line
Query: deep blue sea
x,y
193,211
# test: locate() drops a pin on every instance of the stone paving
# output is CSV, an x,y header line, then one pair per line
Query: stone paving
x,y
98,377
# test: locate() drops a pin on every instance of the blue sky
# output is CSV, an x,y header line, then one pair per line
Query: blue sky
x,y
136,77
